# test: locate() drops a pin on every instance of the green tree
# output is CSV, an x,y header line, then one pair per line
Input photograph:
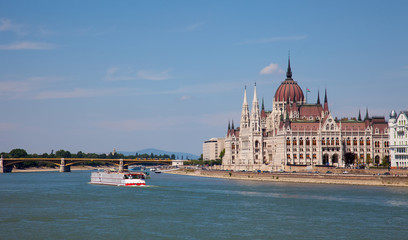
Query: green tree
x,y
222,153
18,153
63,154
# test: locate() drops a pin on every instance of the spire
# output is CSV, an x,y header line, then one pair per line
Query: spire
x,y
359,115
255,117
232,127
289,72
318,97
326,105
366,116
229,126
263,105
245,112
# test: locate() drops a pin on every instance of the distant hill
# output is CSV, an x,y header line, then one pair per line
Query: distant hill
x,y
179,155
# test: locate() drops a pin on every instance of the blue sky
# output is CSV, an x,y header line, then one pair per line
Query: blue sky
x,y
94,75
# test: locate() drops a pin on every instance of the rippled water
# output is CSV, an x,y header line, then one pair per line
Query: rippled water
x,y
52,205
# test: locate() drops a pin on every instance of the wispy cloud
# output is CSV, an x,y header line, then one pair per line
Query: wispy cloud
x,y
272,68
4,126
27,46
79,93
117,74
185,98
189,28
7,25
272,39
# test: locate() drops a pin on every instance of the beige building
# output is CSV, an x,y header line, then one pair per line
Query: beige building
x,y
299,133
212,148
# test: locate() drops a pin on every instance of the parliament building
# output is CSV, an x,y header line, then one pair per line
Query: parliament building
x,y
297,133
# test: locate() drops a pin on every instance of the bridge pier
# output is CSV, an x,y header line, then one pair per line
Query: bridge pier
x,y
120,165
64,168
4,169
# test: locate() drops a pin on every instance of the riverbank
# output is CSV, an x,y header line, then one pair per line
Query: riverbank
x,y
316,178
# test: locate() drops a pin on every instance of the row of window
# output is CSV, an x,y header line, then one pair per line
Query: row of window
x,y
301,156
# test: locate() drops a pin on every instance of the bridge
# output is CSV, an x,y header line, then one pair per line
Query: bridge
x,y
7,164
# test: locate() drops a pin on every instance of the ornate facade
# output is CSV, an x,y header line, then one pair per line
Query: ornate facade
x,y
298,133
399,139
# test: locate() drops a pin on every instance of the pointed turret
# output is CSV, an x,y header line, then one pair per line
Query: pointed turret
x,y
326,105
245,112
318,97
366,116
229,126
359,115
263,106
255,118
289,71
232,126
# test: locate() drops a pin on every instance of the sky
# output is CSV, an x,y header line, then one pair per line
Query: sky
x,y
96,75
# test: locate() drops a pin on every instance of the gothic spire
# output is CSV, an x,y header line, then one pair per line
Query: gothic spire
x,y
245,112
289,72
318,97
263,106
325,95
229,126
366,116
359,115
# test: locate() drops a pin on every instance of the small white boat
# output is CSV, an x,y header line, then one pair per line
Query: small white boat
x,y
116,178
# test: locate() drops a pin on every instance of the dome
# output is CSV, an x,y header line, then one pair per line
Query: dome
x,y
289,89
393,114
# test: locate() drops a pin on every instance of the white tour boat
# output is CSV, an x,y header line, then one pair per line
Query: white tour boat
x,y
116,178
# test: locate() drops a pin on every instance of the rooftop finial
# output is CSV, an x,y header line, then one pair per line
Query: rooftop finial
x,y
289,72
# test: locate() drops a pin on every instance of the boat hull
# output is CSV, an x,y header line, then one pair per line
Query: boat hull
x,y
118,179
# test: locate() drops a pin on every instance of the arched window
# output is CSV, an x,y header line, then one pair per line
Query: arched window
x,y
337,142
294,141
314,141
323,141
301,141
332,127
368,142
288,142
355,141
361,142
348,142
332,141
307,141
327,127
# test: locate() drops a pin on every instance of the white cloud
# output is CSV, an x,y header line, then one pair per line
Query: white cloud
x,y
27,46
185,98
272,68
117,74
7,25
273,39
79,93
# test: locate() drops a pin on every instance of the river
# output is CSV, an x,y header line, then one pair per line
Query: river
x,y
53,205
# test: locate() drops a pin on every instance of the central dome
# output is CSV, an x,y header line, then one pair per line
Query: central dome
x,y
289,89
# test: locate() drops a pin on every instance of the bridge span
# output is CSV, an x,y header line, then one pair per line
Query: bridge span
x,y
7,164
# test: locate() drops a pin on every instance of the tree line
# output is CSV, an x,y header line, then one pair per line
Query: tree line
x,y
22,153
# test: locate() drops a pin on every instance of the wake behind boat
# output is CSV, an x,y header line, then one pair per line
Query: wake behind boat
x,y
115,178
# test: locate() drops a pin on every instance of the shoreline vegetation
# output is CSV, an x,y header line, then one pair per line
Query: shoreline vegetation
x,y
396,180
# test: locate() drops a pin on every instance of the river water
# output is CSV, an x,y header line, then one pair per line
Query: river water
x,y
53,205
